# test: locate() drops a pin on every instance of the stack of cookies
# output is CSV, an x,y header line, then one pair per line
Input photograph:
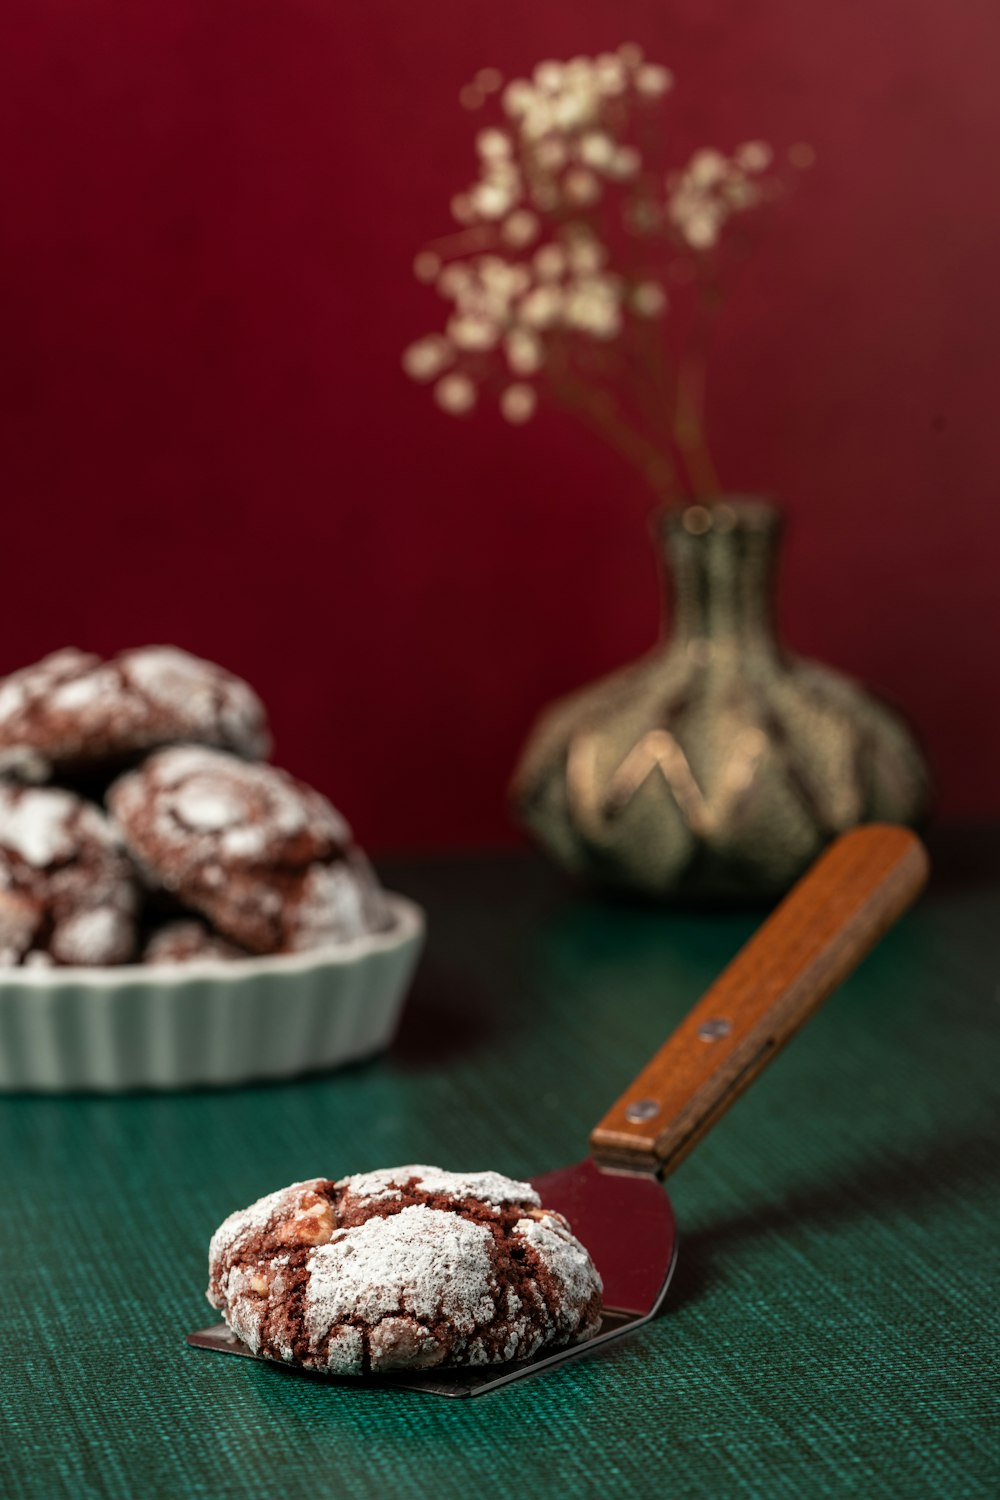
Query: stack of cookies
x,y
139,821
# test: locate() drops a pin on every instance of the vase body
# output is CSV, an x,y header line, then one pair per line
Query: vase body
x,y
719,765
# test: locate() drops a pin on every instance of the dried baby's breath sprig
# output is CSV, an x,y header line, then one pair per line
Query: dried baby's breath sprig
x,y
713,187
556,275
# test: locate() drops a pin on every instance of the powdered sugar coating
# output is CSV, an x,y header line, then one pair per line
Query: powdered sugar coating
x,y
187,939
66,876
38,827
407,1268
89,937
24,687
267,859
206,810
73,711
568,1262
487,1187
335,904
420,1261
192,802
242,1226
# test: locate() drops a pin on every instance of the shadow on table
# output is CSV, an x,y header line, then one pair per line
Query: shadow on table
x,y
964,858
447,1016
904,1183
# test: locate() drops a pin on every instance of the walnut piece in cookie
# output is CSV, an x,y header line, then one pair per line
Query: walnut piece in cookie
x,y
263,856
185,941
74,713
66,885
20,919
408,1268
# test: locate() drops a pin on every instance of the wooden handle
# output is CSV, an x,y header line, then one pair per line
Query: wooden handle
x,y
806,948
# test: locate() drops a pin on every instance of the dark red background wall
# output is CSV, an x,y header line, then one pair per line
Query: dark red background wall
x,y
209,213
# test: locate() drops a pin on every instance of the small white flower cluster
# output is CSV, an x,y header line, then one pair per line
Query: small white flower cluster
x,y
529,275
513,307
561,145
713,187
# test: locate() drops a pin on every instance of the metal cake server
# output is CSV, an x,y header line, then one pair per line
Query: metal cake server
x,y
613,1199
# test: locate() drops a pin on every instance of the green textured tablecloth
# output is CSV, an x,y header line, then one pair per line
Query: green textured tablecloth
x,y
831,1328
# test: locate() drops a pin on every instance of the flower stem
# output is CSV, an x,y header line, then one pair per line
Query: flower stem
x,y
689,430
599,411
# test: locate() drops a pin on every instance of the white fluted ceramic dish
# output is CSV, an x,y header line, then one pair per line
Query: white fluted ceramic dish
x,y
170,1026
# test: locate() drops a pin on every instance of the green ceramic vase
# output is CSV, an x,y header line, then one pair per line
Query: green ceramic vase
x,y
719,765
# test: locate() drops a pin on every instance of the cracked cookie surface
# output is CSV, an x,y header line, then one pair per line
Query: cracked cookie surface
x,y
407,1268
67,893
74,713
266,858
187,940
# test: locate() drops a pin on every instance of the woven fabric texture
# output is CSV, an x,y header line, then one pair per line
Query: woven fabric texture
x,y
831,1328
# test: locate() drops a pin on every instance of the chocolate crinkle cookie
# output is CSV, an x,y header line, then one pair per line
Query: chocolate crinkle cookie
x,y
403,1269
184,941
67,893
74,714
264,857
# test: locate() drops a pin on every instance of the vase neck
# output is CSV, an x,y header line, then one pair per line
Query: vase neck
x,y
720,560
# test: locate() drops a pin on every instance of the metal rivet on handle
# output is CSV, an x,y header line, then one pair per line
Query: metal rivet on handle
x,y
711,1031
642,1109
